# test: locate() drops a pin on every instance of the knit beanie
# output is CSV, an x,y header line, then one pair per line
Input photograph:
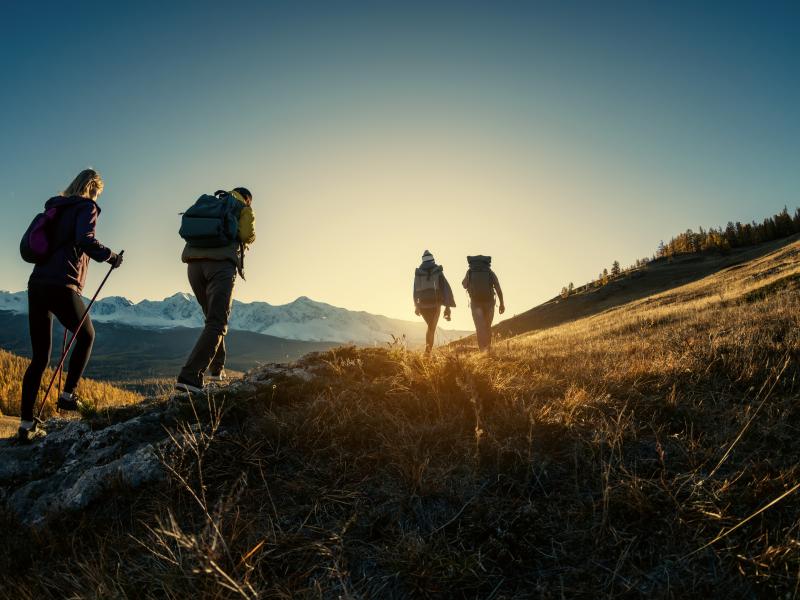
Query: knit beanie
x,y
244,192
427,257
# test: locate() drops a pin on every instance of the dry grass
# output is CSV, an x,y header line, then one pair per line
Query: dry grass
x,y
8,426
99,394
650,451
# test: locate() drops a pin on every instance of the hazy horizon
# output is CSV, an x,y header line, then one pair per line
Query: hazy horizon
x,y
554,138
442,323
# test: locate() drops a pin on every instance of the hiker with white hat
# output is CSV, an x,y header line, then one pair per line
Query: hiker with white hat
x,y
431,292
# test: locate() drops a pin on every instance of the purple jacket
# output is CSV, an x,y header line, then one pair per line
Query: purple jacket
x,y
76,244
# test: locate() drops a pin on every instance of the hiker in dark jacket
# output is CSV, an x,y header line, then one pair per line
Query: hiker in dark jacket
x,y
54,288
431,292
212,274
481,283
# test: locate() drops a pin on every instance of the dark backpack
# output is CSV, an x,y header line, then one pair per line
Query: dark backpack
x,y
480,283
212,221
39,241
427,292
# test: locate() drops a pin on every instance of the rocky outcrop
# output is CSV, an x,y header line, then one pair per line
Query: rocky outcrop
x,y
79,461
74,465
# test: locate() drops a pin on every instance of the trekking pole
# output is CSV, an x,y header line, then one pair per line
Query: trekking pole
x,y
72,341
63,352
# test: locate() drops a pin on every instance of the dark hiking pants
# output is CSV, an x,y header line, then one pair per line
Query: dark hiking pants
x,y
431,316
212,283
483,315
44,301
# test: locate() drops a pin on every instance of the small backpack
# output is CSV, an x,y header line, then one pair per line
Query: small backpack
x,y
212,221
427,292
38,243
480,284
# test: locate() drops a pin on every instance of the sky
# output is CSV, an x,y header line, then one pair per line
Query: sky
x,y
555,137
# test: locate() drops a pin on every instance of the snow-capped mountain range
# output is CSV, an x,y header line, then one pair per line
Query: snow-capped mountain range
x,y
304,319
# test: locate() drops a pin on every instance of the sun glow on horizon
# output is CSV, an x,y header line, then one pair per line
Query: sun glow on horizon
x,y
552,140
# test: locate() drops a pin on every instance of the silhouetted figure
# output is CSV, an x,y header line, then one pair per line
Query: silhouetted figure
x,y
55,287
218,230
482,283
431,292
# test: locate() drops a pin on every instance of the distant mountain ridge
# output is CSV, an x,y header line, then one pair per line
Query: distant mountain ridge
x,y
302,320
126,354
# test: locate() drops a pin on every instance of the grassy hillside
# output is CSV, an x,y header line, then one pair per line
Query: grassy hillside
x,y
12,368
652,278
648,451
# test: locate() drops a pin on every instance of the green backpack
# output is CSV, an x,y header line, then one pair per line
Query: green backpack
x,y
212,221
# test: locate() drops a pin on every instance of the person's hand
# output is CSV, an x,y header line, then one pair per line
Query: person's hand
x,y
115,260
502,308
416,311
447,314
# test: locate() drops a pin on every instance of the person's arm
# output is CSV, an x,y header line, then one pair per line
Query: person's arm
x,y
414,296
85,235
465,282
448,299
499,291
247,226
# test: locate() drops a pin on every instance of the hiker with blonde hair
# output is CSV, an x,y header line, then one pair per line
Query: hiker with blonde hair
x,y
60,242
431,292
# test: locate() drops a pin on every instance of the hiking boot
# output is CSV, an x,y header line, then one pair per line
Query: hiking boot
x,y
189,387
218,377
71,402
27,434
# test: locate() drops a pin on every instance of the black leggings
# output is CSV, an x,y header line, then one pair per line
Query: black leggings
x,y
44,301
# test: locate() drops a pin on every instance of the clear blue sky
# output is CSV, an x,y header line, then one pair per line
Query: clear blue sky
x,y
556,137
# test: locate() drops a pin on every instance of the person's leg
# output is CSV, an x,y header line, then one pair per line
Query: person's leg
x,y
431,316
68,307
488,314
198,282
218,362
219,289
40,322
480,323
